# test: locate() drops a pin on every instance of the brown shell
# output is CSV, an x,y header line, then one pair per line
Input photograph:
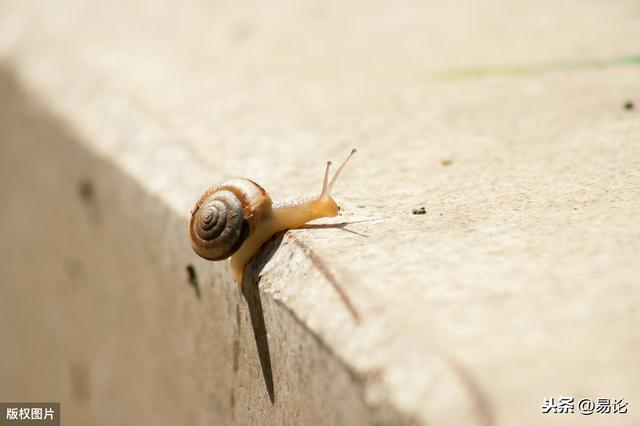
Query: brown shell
x,y
221,219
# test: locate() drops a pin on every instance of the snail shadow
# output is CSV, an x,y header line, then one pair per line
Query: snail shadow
x,y
251,293
342,226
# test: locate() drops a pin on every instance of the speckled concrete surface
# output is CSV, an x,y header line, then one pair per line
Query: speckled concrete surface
x,y
506,122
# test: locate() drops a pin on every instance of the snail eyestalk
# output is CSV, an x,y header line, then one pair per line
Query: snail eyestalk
x,y
325,182
335,177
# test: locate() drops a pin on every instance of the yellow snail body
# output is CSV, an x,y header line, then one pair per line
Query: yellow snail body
x,y
235,218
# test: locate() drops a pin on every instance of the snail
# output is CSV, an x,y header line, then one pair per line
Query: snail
x,y
235,218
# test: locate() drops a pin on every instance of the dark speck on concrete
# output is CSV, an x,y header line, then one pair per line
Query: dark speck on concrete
x,y
629,105
420,210
86,190
193,279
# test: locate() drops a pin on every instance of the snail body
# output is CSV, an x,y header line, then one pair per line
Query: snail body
x,y
235,218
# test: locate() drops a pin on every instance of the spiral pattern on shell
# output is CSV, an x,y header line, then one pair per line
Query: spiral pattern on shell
x,y
219,220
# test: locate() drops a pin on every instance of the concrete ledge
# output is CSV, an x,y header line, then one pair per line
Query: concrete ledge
x,y
108,319
518,283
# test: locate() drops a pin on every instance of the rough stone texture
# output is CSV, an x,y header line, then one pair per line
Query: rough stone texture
x,y
505,121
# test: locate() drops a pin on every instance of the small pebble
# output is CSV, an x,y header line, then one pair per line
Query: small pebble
x,y
628,106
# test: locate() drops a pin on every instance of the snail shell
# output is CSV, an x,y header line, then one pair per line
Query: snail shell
x,y
224,216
